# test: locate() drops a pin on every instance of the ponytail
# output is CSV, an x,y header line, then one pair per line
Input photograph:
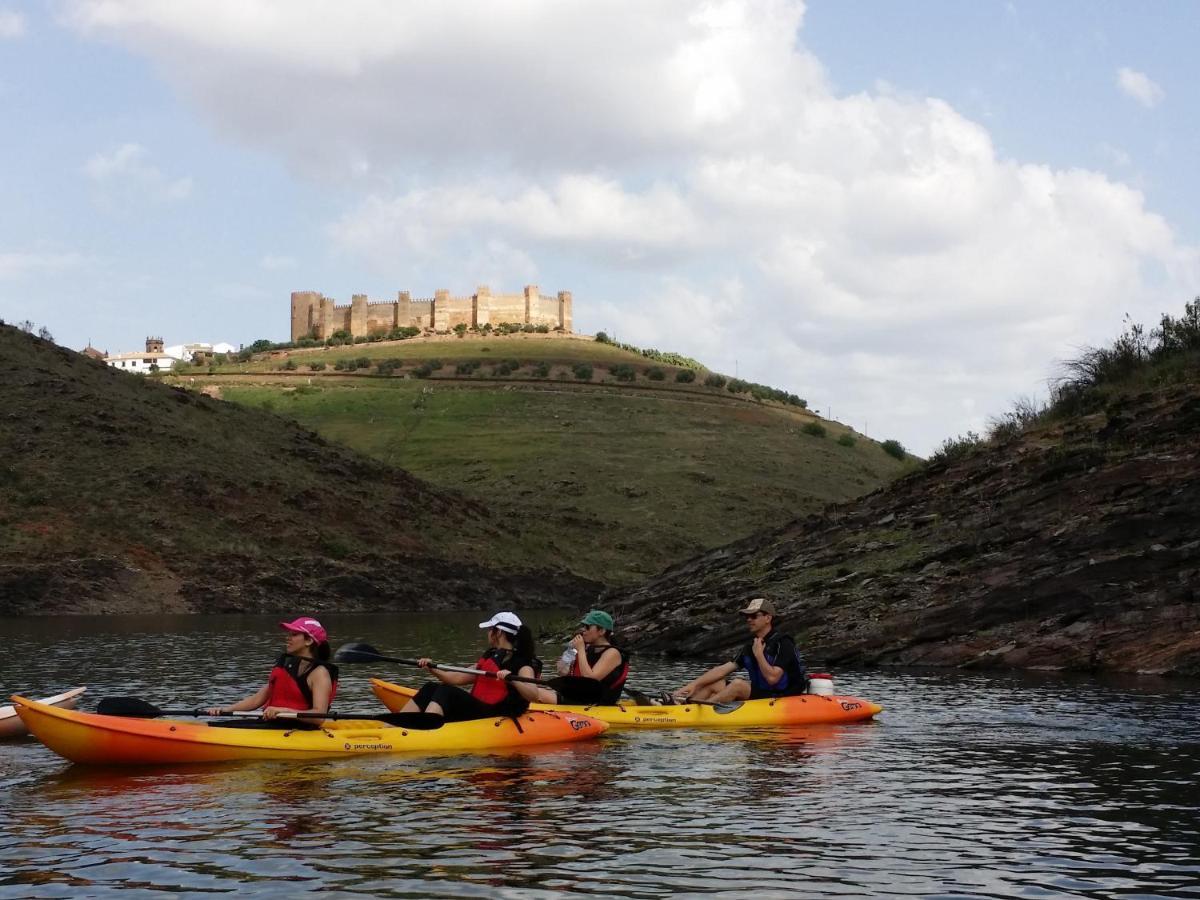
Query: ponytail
x,y
523,643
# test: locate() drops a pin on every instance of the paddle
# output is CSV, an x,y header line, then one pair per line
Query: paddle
x,y
136,708
587,689
723,709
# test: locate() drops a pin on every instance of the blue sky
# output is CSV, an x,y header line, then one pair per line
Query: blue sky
x,y
903,212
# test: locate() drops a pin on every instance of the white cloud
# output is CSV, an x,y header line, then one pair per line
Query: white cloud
x,y
126,174
16,265
1140,87
700,179
12,24
277,263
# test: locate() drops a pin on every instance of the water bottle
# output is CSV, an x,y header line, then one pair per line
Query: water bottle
x,y
568,657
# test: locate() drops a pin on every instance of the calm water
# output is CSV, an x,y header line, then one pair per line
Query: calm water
x,y
969,785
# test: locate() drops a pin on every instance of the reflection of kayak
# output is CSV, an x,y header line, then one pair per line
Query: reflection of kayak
x,y
804,709
11,725
112,740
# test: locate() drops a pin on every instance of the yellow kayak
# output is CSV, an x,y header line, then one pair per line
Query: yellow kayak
x,y
117,740
803,709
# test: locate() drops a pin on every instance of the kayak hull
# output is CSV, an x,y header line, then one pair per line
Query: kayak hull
x,y
803,709
11,725
94,739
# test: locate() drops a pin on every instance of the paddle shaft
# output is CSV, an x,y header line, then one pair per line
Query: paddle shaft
x,y
463,670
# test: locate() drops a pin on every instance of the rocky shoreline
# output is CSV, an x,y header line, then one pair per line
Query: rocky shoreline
x,y
1072,547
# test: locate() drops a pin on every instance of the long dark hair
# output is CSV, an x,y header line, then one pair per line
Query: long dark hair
x,y
523,643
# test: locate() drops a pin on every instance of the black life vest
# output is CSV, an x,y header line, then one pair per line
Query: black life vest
x,y
614,680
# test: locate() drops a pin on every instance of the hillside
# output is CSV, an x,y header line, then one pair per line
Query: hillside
x,y
619,477
121,494
1072,544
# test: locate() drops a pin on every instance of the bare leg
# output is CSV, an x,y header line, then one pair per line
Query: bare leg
x,y
411,706
435,709
735,690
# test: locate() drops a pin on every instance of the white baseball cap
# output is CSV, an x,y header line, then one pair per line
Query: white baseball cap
x,y
505,621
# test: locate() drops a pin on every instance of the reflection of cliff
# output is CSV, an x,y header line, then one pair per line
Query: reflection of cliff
x,y
317,316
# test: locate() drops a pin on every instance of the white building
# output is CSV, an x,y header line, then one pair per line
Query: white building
x,y
156,358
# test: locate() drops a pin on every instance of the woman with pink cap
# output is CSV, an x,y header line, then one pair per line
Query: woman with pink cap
x,y
302,679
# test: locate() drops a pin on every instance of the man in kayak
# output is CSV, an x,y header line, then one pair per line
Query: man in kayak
x,y
303,678
510,652
771,660
598,672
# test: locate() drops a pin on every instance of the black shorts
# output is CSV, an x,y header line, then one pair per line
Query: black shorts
x,y
459,706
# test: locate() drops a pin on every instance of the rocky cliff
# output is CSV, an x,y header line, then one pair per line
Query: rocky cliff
x,y
1074,546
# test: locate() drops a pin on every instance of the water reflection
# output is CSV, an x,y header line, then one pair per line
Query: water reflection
x,y
975,785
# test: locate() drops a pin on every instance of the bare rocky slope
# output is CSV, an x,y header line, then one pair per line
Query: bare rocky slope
x,y
122,495
1074,546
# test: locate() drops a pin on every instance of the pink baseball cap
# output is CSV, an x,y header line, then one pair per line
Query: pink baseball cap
x,y
306,625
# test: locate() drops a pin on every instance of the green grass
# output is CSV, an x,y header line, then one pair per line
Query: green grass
x,y
619,483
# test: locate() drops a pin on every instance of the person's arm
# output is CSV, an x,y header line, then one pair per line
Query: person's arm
x,y
254,701
524,688
459,678
716,673
771,673
609,660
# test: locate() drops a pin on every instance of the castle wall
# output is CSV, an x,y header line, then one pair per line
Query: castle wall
x,y
543,311
450,311
499,308
314,315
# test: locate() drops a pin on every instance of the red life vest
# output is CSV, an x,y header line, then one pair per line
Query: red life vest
x,y
490,690
614,680
288,689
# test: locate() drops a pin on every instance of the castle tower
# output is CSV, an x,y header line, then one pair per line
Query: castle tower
x,y
154,345
404,316
564,311
439,316
358,315
305,314
532,292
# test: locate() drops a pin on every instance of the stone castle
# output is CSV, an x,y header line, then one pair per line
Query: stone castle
x,y
316,316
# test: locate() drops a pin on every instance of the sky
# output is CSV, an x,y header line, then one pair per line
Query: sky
x,y
908,214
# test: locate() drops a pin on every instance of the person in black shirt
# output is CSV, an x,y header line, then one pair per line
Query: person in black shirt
x,y
774,666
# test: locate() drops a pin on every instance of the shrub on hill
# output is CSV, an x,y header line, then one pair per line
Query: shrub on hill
x,y
654,373
955,448
316,367
428,368
846,440
895,449
583,372
289,365
467,367
623,372
507,367
389,366
542,329
713,380
601,337
816,429
541,370
685,376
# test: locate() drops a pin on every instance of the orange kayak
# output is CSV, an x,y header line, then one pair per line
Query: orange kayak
x,y
803,709
116,740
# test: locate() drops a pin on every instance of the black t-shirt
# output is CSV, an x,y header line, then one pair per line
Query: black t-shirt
x,y
779,650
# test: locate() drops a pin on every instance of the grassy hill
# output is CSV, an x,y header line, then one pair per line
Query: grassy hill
x,y
618,476
118,493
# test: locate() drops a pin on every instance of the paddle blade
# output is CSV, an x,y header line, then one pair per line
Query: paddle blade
x,y
130,707
724,709
641,698
357,653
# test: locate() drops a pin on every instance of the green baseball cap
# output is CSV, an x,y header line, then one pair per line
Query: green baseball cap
x,y
596,617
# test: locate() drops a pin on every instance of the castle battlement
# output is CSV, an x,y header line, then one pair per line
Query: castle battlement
x,y
316,316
